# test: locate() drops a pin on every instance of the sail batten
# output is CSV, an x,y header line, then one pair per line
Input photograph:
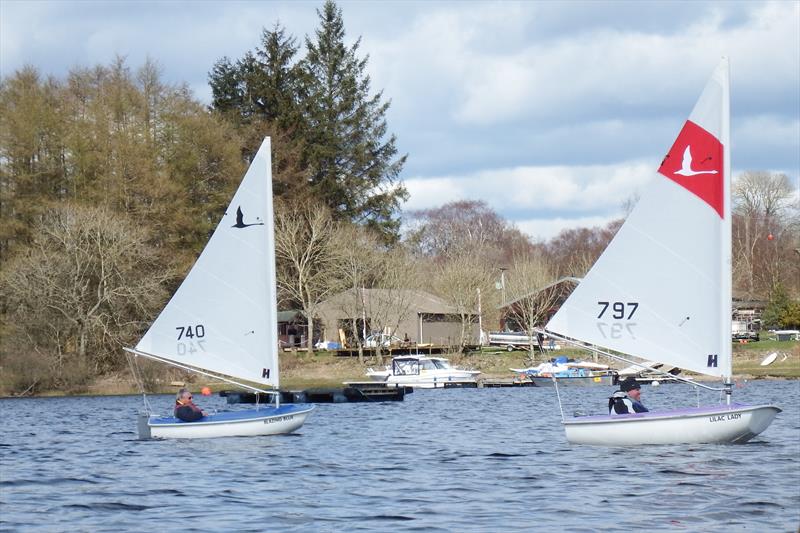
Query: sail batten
x,y
660,288
223,317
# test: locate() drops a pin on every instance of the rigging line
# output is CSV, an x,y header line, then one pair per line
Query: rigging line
x,y
136,373
619,358
275,393
558,394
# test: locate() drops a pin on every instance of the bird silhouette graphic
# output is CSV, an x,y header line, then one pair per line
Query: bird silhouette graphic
x,y
240,220
686,165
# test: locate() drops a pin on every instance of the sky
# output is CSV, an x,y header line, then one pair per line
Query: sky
x,y
553,112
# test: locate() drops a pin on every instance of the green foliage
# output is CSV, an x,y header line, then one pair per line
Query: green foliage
x,y
333,131
781,311
110,184
107,136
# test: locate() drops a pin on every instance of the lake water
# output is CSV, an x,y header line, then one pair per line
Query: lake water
x,y
443,460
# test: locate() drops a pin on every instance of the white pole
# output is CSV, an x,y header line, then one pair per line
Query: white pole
x,y
726,266
480,319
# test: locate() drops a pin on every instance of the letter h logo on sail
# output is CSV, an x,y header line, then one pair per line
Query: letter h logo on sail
x,y
712,360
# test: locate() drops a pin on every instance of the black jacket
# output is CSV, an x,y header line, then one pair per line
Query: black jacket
x,y
188,413
621,404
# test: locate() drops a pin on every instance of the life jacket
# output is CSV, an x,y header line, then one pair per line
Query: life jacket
x,y
190,404
621,404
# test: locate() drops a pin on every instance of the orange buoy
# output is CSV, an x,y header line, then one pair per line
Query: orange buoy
x,y
205,391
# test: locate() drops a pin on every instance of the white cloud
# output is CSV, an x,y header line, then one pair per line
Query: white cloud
x,y
532,189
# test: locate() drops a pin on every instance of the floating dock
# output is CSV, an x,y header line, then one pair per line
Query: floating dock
x,y
352,393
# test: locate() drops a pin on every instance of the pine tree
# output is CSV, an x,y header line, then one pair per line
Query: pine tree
x,y
349,161
329,133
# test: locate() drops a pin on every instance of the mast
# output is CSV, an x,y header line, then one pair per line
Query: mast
x,y
271,281
726,292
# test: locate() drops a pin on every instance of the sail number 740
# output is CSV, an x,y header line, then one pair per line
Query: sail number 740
x,y
618,309
191,332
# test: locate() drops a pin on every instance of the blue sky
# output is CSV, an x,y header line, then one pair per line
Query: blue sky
x,y
553,112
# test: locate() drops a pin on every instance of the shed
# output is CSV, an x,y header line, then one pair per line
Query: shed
x,y
411,314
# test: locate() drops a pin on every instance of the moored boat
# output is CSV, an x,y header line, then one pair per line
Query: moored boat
x,y
568,373
425,372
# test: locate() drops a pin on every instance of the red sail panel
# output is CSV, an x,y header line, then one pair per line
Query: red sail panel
x,y
695,162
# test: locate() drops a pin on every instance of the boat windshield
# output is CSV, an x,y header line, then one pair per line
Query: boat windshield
x,y
427,364
405,367
441,364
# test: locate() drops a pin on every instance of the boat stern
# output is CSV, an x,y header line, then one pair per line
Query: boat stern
x,y
143,426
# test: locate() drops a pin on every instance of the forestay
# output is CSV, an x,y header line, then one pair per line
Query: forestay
x,y
223,318
661,289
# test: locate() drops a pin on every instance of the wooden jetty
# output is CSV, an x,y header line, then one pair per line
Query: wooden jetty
x,y
404,349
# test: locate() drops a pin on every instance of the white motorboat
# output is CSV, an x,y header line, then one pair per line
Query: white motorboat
x,y
222,320
425,372
662,289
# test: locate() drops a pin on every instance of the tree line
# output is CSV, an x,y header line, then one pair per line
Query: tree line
x,y
111,181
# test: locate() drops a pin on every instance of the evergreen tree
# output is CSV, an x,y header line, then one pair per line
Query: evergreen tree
x,y
330,135
349,161
262,85
781,311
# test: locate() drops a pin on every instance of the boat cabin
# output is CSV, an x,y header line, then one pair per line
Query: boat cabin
x,y
412,366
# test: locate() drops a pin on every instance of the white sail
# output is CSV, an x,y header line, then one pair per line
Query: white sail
x,y
223,318
661,290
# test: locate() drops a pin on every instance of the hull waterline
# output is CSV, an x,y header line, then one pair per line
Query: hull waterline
x,y
732,424
245,423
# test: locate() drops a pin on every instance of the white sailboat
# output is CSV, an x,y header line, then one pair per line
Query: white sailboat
x,y
222,321
662,288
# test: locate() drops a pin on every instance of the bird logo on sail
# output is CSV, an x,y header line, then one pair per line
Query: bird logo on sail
x,y
686,165
702,174
240,220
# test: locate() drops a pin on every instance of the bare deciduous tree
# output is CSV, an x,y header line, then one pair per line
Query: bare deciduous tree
x,y
307,258
531,295
457,280
87,286
360,258
766,222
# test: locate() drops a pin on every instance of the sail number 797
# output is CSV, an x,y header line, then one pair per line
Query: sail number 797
x,y
618,309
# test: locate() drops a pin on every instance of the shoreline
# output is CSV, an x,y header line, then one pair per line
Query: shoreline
x,y
300,371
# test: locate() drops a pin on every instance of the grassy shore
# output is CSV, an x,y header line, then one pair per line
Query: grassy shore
x,y
322,369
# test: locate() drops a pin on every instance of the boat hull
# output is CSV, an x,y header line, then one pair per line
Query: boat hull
x,y
428,380
724,424
245,423
574,381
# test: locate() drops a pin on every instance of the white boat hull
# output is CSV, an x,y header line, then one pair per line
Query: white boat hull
x,y
427,380
245,423
722,424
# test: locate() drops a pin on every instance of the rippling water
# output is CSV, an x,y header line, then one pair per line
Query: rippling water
x,y
443,460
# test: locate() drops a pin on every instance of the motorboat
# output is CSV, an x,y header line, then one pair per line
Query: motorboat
x,y
423,372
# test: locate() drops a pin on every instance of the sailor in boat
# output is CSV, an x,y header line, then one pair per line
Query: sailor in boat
x,y
185,408
627,399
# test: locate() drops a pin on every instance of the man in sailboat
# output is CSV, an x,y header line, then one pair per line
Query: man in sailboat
x,y
627,399
185,408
